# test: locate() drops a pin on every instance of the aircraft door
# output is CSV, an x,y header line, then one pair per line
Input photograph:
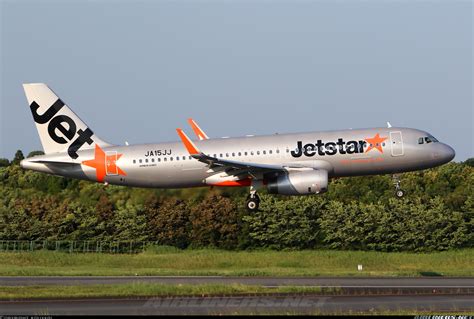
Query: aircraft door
x,y
396,142
111,163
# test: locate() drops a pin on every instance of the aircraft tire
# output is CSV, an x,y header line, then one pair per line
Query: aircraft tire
x,y
399,193
252,204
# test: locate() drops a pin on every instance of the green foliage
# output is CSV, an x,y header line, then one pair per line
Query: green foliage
x,y
34,153
18,157
357,213
4,162
470,162
288,223
168,222
399,225
214,223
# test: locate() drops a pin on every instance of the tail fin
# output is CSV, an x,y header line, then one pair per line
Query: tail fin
x,y
60,130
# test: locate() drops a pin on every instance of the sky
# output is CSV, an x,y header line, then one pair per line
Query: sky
x,y
136,70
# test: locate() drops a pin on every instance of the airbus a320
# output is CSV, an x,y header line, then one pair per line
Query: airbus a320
x,y
288,164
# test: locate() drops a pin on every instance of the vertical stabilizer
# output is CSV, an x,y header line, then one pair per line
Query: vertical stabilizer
x,y
59,128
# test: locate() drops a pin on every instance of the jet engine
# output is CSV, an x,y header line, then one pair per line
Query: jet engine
x,y
299,183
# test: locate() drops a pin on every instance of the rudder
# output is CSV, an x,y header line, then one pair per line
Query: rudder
x,y
59,128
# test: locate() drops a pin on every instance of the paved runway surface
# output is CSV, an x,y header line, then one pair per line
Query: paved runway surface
x,y
348,282
220,305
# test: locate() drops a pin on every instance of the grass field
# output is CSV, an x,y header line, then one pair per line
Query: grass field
x,y
168,261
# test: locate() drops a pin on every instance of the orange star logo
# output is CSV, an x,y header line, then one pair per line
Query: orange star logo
x,y
104,164
375,142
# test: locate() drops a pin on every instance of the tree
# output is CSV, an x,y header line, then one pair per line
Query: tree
x,y
286,223
4,162
35,153
18,157
215,223
469,162
168,222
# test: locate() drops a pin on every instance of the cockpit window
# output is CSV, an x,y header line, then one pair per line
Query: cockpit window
x,y
427,139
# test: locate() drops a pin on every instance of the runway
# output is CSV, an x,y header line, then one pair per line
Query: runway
x,y
241,305
354,294
269,282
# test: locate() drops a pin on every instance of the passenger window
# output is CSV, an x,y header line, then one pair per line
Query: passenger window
x,y
233,154
264,152
165,159
146,160
177,158
152,160
159,159
184,158
258,152
134,161
140,161
240,154
245,153
278,151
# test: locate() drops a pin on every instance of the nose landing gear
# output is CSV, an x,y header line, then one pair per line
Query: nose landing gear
x,y
399,192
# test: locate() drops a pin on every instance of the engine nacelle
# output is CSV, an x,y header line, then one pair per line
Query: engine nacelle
x,y
300,183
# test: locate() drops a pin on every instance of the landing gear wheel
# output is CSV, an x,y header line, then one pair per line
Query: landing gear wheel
x,y
252,204
253,201
399,193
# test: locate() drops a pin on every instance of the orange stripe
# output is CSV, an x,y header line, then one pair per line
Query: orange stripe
x,y
242,182
187,142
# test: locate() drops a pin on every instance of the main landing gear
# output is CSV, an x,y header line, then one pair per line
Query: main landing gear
x,y
253,201
399,192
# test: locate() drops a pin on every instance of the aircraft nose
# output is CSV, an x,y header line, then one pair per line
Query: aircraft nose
x,y
448,153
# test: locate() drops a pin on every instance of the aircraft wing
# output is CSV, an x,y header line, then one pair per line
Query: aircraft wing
x,y
232,167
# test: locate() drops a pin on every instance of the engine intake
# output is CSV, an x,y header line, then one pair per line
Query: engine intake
x,y
300,183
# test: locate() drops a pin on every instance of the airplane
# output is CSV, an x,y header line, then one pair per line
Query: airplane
x,y
197,130
287,164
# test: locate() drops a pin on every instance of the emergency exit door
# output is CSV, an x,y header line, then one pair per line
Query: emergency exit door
x,y
396,141
111,163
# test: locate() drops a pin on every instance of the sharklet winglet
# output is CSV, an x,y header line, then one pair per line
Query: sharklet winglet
x,y
192,149
197,130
